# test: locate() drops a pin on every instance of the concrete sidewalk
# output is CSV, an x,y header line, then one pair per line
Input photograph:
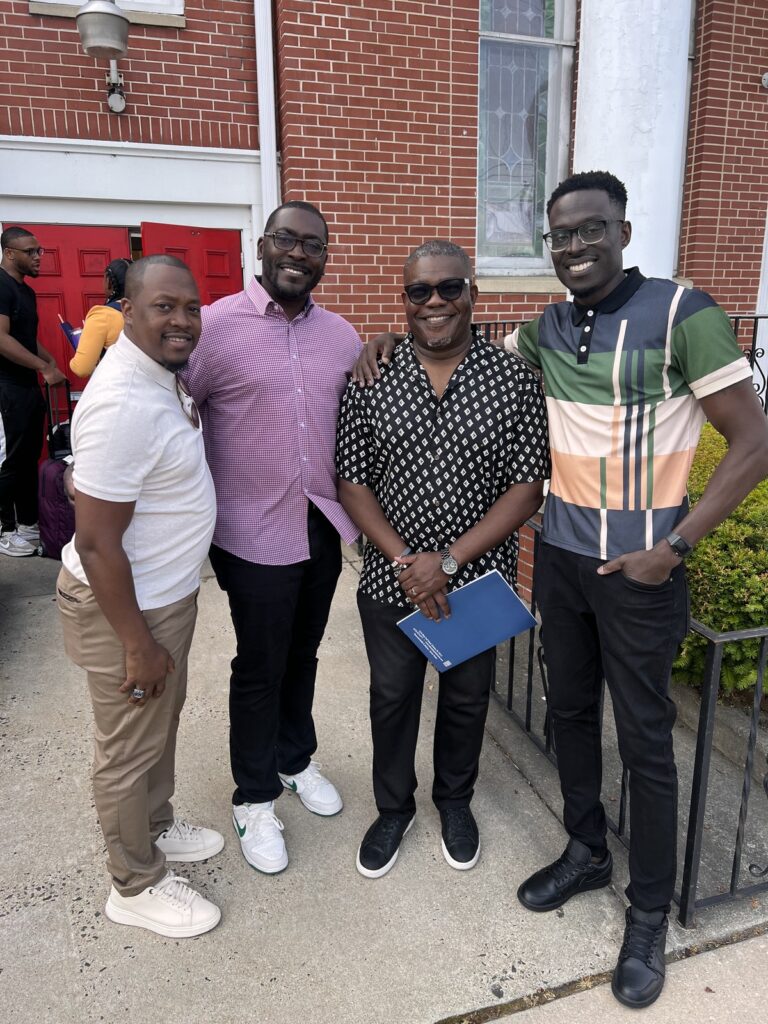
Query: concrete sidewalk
x,y
318,943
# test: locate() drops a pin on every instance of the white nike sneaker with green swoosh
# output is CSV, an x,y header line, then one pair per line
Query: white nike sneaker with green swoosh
x,y
260,833
317,793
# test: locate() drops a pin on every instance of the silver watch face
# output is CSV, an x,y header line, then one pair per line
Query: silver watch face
x,y
449,564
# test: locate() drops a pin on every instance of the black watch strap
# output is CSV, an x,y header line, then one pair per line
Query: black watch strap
x,y
679,545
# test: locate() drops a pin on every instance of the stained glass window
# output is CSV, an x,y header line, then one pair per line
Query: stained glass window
x,y
523,89
518,17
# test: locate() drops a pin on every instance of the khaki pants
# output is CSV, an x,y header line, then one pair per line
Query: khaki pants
x,y
133,767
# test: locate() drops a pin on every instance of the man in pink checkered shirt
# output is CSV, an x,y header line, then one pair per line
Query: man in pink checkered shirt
x,y
268,375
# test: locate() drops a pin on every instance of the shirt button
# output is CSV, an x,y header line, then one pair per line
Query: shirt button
x,y
583,348
298,390
587,330
294,357
302,426
590,312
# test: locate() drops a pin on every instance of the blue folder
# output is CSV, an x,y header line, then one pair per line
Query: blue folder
x,y
484,613
72,333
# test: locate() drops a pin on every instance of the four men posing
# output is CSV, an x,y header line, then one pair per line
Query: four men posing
x,y
439,464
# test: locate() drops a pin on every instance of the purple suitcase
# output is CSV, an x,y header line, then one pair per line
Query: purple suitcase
x,y
56,516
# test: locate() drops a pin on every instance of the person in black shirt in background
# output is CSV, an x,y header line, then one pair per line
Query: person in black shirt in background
x,y
22,409
444,457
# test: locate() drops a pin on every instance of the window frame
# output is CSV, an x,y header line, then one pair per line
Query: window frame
x,y
559,100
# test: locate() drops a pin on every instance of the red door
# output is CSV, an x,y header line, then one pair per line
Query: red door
x,y
72,280
212,254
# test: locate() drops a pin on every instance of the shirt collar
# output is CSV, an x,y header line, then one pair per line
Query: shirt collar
x,y
128,350
621,294
264,303
473,353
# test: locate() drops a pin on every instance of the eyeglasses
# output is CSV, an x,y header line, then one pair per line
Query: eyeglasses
x,y
589,232
34,251
448,290
312,247
187,403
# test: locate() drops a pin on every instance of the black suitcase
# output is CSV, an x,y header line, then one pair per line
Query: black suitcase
x,y
56,517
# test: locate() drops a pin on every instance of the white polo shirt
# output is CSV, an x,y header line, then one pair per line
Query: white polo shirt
x,y
132,441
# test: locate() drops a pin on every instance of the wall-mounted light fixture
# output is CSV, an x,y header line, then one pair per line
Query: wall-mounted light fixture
x,y
103,29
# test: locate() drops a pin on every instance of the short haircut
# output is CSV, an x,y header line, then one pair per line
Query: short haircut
x,y
296,204
116,271
134,278
602,181
12,234
440,247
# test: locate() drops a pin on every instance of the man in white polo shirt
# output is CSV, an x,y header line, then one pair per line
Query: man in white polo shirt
x,y
145,511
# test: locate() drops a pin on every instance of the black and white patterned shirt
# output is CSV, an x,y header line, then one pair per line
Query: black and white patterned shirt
x,y
437,465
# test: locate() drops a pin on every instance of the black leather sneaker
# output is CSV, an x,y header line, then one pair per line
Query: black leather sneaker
x,y
381,843
461,841
639,975
570,874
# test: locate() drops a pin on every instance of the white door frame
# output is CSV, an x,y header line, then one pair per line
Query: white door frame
x,y
64,181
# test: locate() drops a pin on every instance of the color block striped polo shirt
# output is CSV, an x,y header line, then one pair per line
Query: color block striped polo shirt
x,y
623,381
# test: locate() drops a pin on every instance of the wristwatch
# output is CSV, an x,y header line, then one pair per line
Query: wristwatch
x,y
679,545
449,565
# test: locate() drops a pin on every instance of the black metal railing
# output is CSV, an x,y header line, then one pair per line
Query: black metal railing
x,y
526,701
751,330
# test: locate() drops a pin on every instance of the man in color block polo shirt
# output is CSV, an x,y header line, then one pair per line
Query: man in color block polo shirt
x,y
632,367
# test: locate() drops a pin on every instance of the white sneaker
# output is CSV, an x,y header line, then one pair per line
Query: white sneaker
x,y
13,544
260,832
31,534
169,908
185,842
315,791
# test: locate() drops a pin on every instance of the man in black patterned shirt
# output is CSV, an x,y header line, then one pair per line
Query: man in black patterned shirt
x,y
439,464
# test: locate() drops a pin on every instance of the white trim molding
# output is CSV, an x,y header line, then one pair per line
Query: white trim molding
x,y
66,181
169,13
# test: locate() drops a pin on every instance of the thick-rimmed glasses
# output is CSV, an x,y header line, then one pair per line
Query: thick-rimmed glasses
x,y
449,290
34,251
187,403
312,247
589,232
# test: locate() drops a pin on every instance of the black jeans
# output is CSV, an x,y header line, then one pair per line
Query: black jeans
x,y
279,613
629,632
397,684
22,413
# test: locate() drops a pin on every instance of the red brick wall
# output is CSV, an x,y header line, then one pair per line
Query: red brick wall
x,y
188,87
378,114
726,186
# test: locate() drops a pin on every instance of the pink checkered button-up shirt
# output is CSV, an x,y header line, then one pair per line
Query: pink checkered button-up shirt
x,y
268,389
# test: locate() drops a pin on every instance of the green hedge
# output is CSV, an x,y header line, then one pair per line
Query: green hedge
x,y
728,576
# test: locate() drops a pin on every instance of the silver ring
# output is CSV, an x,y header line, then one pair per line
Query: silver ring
x,y
414,591
138,694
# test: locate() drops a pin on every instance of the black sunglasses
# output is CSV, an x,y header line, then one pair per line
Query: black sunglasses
x,y
32,251
187,403
448,290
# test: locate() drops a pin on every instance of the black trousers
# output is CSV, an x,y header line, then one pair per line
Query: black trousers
x,y
628,632
22,413
279,613
397,684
